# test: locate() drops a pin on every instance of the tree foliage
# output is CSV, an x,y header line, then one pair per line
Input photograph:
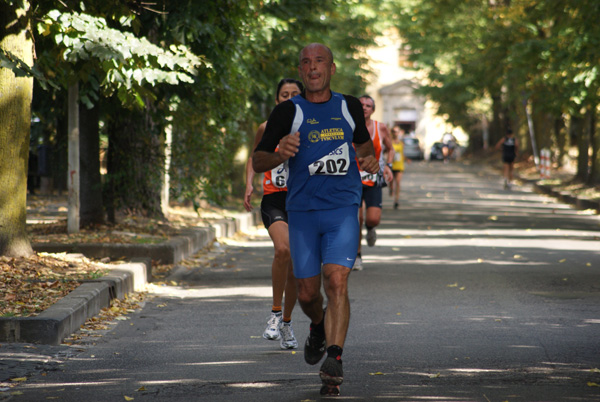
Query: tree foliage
x,y
502,55
221,57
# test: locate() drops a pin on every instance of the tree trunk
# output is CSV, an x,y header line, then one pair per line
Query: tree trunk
x,y
594,177
15,115
91,208
579,132
74,171
136,161
560,138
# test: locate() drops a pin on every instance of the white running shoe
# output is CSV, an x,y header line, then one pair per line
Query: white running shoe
x,y
288,340
371,237
358,265
272,332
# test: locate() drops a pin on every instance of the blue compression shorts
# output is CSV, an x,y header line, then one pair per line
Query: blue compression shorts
x,y
327,236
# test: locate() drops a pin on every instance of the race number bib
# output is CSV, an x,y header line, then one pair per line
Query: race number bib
x,y
366,176
279,175
336,163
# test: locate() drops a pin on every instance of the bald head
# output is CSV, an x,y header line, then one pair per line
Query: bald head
x,y
316,46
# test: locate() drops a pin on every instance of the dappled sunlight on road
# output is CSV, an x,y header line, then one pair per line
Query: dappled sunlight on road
x,y
492,243
497,233
210,292
428,260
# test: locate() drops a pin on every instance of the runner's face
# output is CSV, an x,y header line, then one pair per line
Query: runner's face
x,y
316,68
286,92
367,105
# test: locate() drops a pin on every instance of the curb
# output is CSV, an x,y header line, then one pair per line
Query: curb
x,y
68,314
567,198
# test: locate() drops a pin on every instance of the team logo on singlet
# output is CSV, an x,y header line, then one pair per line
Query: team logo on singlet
x,y
314,136
312,121
330,134
327,134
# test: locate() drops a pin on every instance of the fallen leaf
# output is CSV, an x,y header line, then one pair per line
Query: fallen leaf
x,y
377,373
493,218
462,288
141,389
19,379
517,256
563,260
589,264
398,313
592,384
128,398
435,375
454,285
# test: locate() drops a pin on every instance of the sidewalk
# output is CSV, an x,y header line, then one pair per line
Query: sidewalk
x,y
34,343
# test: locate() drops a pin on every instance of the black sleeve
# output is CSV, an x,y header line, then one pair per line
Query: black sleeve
x,y
278,126
361,134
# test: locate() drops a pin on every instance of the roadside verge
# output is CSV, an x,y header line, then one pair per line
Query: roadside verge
x,y
68,314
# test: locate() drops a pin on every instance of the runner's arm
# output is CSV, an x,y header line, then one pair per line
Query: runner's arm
x,y
277,132
250,171
387,143
365,153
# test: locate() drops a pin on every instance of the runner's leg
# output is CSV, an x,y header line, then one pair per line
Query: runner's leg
x,y
281,269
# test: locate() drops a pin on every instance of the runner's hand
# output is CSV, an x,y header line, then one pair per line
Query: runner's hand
x,y
369,164
249,191
289,146
388,175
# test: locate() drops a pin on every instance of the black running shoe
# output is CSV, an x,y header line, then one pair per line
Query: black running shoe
x,y
331,371
314,348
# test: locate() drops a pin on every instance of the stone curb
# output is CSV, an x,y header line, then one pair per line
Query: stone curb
x,y
68,314
567,198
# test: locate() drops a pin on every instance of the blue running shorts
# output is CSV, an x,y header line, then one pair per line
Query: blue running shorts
x,y
327,236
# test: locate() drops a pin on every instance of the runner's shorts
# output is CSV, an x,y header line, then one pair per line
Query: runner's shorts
x,y
272,208
327,236
508,158
372,196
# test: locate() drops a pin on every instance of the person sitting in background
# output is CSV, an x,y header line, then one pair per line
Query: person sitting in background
x,y
448,144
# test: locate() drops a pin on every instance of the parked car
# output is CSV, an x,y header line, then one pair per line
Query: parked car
x,y
436,153
412,148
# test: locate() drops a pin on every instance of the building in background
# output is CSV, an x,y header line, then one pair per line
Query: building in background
x,y
393,85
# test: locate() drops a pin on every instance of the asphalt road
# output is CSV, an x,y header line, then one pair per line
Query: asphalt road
x,y
472,293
